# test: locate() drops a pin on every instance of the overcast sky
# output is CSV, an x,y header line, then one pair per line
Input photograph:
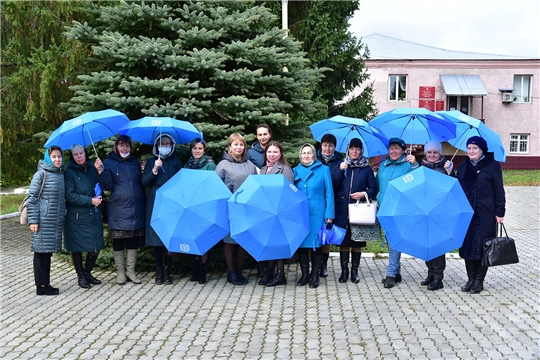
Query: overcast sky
x,y
509,27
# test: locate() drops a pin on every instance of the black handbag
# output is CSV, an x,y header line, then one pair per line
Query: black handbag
x,y
499,250
105,209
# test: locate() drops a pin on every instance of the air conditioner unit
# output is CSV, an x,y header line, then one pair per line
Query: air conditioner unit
x,y
507,97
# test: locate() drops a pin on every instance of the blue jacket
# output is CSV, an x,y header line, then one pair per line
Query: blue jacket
x,y
256,155
316,183
390,170
128,198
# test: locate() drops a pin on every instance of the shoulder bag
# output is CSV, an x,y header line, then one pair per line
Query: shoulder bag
x,y
23,209
362,213
499,250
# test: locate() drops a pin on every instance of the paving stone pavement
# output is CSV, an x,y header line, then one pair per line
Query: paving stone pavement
x,y
336,321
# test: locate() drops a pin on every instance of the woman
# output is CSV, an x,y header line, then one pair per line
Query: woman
x,y
233,169
396,164
46,217
331,158
83,227
275,163
433,159
157,171
313,179
481,178
200,161
256,152
355,179
121,173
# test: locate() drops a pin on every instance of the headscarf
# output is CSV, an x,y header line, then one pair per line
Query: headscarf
x,y
47,157
157,142
312,150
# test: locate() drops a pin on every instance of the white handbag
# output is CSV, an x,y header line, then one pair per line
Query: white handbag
x,y
361,213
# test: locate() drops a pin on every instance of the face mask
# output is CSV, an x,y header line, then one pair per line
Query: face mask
x,y
164,151
124,155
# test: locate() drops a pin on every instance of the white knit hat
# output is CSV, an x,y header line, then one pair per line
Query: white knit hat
x,y
433,145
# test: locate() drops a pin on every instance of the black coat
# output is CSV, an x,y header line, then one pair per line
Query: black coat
x,y
128,197
335,171
483,186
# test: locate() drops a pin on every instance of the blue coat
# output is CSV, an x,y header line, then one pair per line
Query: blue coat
x,y
316,183
256,155
390,170
128,197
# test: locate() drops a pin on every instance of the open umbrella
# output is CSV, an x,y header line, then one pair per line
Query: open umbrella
x,y
414,125
467,126
190,212
269,217
425,214
146,130
347,128
88,128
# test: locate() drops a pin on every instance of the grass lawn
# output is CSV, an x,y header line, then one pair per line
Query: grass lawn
x,y
10,203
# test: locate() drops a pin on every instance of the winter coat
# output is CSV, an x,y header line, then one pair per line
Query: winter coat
x,y
280,169
316,183
363,180
83,227
390,170
128,198
483,186
233,173
335,171
48,212
171,166
255,154
437,165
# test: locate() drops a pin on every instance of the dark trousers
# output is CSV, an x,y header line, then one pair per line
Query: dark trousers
x,y
436,267
42,268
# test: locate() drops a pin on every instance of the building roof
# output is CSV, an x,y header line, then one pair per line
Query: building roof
x,y
388,48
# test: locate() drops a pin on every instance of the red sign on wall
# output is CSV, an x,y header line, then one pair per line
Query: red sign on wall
x,y
427,104
426,92
439,105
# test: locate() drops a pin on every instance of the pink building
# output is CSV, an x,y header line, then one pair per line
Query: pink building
x,y
503,91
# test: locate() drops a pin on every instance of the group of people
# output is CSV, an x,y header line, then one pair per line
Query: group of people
x,y
65,201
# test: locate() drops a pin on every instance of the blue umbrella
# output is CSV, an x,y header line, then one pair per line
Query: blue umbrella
x,y
414,125
425,214
467,127
347,128
146,130
87,129
190,212
269,217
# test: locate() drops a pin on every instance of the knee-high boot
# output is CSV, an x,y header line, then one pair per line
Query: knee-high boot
x,y
324,265
316,260
76,257
195,276
131,264
303,258
355,263
120,269
344,259
478,284
470,266
91,259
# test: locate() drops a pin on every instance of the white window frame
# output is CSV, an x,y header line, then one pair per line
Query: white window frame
x,y
401,94
522,88
519,143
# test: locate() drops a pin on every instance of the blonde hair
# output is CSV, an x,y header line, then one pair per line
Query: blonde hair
x,y
237,137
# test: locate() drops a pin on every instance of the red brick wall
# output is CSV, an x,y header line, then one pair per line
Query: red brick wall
x,y
521,163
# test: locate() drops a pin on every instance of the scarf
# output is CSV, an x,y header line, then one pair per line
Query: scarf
x,y
361,162
437,165
270,165
326,159
198,163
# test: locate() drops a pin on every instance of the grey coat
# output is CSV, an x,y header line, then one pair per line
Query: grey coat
x,y
233,173
48,212
280,169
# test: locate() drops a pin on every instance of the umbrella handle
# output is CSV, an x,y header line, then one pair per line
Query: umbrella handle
x,y
92,141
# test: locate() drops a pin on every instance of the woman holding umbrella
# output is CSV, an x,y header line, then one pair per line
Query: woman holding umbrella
x,y
275,163
396,164
331,158
233,169
46,209
481,178
83,227
200,161
313,179
121,174
355,179
158,170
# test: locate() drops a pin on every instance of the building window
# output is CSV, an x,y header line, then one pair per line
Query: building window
x,y
519,143
460,103
397,88
522,88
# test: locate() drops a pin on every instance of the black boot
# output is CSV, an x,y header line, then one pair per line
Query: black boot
x,y
91,259
195,276
470,266
436,284
167,270
303,258
267,277
233,279
261,267
427,280
389,282
344,259
159,275
316,261
202,273
279,279
76,257
324,265
355,263
478,283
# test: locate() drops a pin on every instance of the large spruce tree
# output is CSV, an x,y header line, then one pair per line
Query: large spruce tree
x,y
220,65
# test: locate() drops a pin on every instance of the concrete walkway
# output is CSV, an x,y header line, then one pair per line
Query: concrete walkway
x,y
336,321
